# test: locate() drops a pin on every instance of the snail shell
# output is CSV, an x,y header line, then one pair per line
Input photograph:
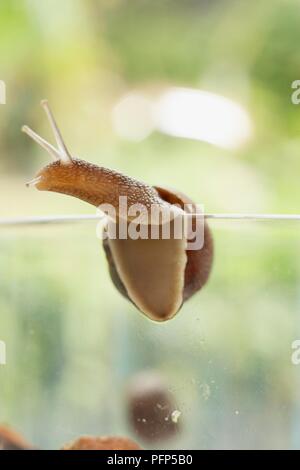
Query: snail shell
x,y
11,440
150,406
164,274
102,443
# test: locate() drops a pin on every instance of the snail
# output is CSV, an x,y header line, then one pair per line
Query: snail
x,y
102,443
157,274
12,440
152,407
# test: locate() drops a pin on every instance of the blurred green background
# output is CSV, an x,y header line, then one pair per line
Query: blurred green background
x,y
72,341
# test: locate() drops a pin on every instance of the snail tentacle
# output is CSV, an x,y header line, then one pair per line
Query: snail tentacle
x,y
34,181
64,152
42,142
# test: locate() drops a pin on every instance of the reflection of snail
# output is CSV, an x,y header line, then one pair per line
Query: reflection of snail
x,y
152,411
11,440
102,443
157,275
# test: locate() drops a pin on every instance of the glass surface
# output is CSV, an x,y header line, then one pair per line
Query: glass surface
x,y
73,343
198,95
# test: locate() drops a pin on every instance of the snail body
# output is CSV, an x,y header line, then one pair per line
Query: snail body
x,y
156,274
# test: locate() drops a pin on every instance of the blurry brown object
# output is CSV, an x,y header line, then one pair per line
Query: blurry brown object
x,y
151,407
102,443
11,440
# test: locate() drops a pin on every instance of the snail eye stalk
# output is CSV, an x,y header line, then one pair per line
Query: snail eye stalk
x,y
62,153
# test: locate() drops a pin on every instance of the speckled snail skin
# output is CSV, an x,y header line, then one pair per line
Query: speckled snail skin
x,y
157,275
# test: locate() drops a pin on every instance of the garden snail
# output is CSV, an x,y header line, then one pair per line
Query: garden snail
x,y
102,443
151,407
11,440
157,275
